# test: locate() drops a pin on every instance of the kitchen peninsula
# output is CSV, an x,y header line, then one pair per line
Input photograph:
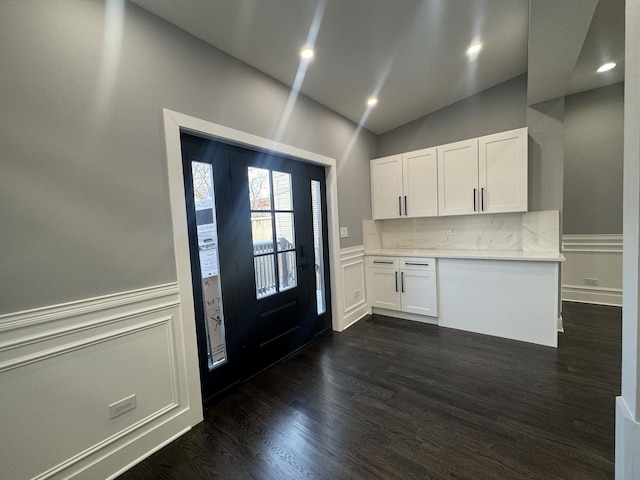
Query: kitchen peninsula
x,y
495,274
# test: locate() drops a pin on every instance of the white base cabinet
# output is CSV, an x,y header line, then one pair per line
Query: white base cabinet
x,y
404,284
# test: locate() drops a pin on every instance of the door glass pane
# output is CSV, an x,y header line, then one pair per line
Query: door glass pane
x,y
205,209
259,188
282,197
287,270
265,275
272,227
318,242
284,231
262,232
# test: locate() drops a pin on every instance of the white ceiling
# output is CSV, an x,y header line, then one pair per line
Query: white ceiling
x,y
409,53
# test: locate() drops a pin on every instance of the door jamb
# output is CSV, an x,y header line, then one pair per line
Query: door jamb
x,y
174,123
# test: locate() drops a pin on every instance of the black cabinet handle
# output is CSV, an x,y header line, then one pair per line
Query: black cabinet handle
x,y
482,199
400,206
402,281
385,262
405,205
396,281
418,264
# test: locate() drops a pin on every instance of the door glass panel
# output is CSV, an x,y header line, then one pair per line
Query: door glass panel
x,y
265,273
272,229
318,242
262,232
287,270
284,231
204,201
282,195
259,188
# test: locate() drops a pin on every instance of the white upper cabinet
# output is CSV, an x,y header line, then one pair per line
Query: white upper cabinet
x,y
484,175
405,185
420,182
386,187
458,178
502,161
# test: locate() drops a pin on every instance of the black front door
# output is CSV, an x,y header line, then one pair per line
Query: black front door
x,y
257,231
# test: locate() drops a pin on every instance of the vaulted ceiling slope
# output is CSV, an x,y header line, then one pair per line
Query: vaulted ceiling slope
x,y
411,54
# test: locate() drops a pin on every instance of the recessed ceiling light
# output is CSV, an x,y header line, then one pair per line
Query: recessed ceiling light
x,y
372,101
606,67
306,53
474,48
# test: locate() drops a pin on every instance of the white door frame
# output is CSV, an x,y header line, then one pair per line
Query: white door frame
x,y
174,123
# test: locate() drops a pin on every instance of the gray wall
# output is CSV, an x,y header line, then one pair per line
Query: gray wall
x,y
594,140
496,109
546,155
84,205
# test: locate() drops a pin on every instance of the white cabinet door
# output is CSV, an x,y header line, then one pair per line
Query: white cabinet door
x,y
419,295
503,172
418,286
383,288
458,178
386,187
420,182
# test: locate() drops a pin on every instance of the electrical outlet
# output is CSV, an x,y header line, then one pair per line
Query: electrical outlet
x,y
344,232
446,233
122,406
591,281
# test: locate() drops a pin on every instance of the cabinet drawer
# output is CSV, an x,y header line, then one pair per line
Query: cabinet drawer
x,y
382,262
418,263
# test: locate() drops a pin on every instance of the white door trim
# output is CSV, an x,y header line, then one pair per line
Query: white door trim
x,y
174,123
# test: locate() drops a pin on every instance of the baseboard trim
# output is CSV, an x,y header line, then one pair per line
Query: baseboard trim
x,y
405,316
354,316
594,295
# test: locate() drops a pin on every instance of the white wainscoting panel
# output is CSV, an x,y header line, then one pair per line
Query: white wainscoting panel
x,y
60,369
353,285
592,272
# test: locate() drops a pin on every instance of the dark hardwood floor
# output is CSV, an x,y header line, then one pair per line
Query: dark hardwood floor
x,y
394,399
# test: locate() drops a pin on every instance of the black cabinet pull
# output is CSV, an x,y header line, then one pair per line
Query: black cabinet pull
x,y
396,281
474,200
405,205
402,281
482,198
385,262
400,205
418,264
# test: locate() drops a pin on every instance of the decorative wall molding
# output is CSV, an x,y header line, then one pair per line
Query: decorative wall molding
x,y
353,284
610,243
592,272
50,351
70,347
88,306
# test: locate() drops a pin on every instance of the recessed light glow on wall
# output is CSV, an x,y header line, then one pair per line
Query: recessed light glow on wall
x,y
307,53
372,101
474,48
606,67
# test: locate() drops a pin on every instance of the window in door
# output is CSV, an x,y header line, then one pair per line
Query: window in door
x,y
272,231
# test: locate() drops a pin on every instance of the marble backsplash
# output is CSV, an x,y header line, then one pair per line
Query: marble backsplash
x,y
529,232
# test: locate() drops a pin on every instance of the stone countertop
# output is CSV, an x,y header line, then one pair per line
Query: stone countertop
x,y
472,254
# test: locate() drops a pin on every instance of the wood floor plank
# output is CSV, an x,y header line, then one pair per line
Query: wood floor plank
x,y
394,399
